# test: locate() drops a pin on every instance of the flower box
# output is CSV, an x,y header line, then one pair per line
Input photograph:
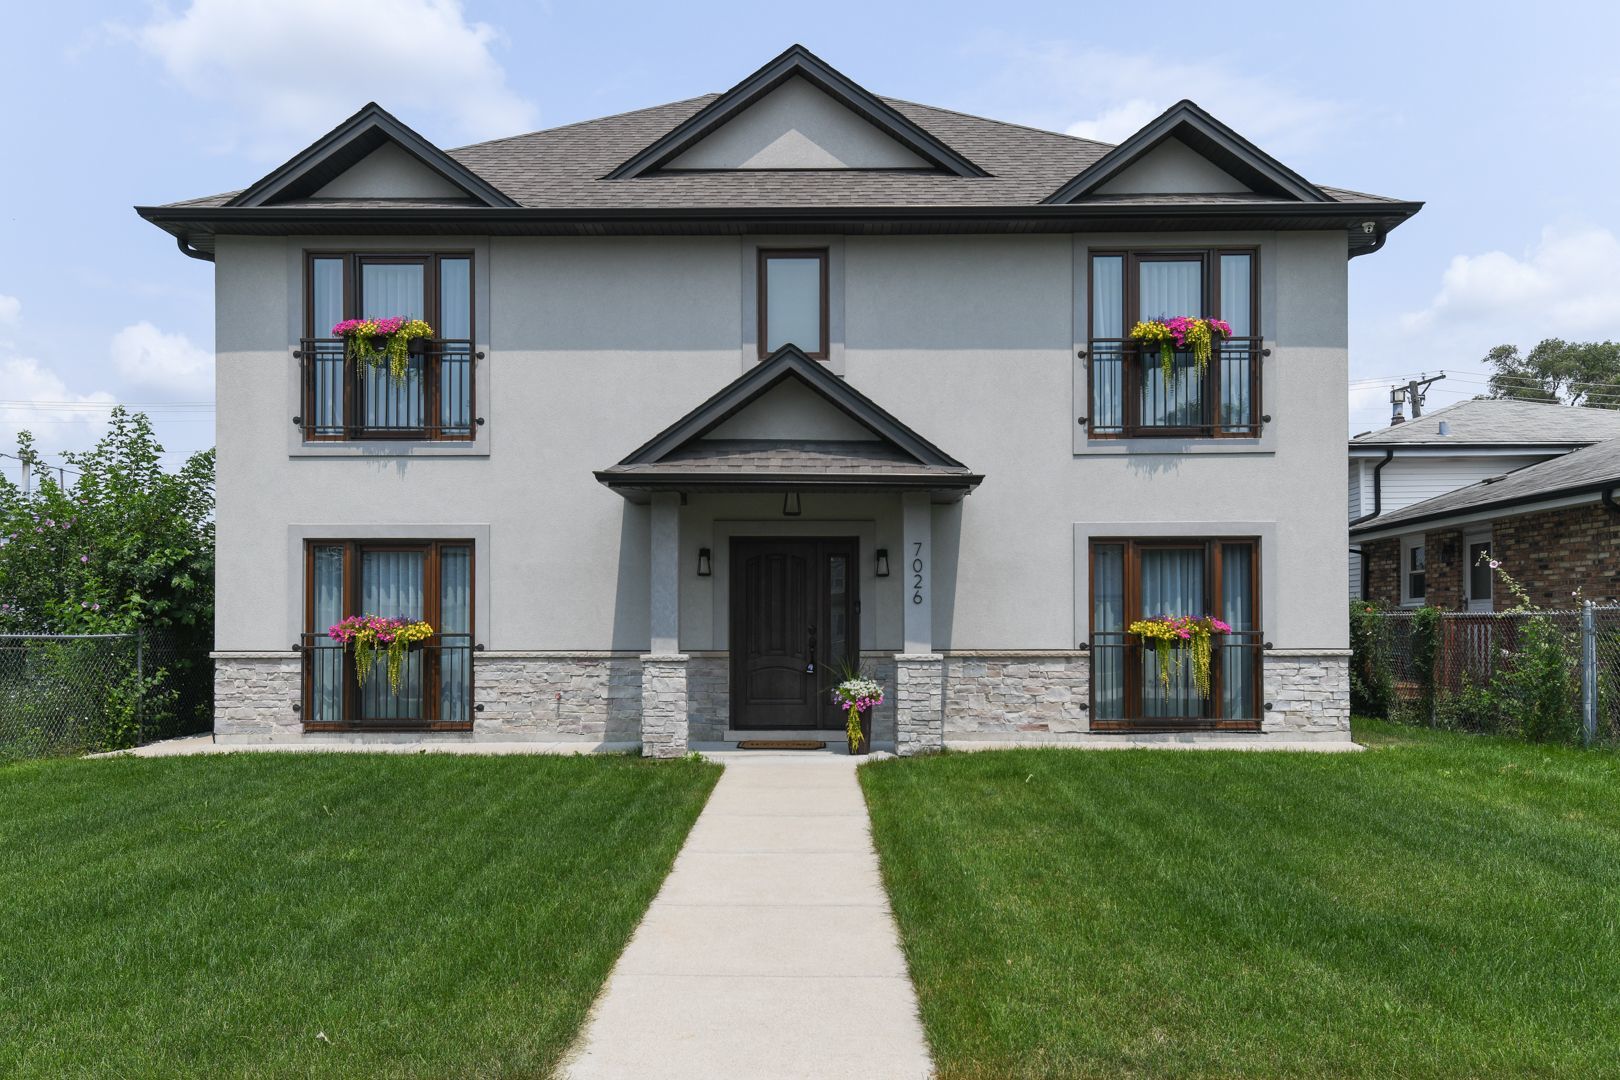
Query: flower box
x,y
372,637
392,341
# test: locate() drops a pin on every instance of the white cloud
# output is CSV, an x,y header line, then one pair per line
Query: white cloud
x,y
10,310
147,357
294,68
34,398
1565,285
1107,95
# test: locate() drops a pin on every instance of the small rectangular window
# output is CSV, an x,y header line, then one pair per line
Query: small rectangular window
x,y
793,302
1479,572
1414,577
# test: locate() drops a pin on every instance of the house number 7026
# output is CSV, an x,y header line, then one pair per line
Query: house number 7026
x,y
916,572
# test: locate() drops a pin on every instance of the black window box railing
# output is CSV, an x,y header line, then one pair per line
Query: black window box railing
x,y
435,691
345,401
1129,397
1126,694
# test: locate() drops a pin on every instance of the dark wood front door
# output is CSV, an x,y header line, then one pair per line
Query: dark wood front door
x,y
794,616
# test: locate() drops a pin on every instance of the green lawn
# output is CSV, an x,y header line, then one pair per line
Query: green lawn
x,y
1442,905
321,914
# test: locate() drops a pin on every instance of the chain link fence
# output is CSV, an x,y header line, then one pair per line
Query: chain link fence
x,y
79,693
1546,675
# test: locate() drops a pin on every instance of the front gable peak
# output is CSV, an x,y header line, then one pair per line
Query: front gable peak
x,y
372,155
796,112
1185,150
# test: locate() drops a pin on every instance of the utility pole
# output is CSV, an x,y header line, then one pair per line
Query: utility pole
x,y
1414,392
26,471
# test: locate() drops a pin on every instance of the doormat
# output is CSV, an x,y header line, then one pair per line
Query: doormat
x,y
781,744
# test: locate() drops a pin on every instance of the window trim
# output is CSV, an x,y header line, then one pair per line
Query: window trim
x,y
1410,543
1214,557
762,284
353,259
1130,297
352,548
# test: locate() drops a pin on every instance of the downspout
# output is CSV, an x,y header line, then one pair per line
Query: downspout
x,y
191,252
1378,506
1608,500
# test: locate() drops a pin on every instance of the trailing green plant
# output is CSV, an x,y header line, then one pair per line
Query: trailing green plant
x,y
1425,646
1372,660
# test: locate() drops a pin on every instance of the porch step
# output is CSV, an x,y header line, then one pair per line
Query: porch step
x,y
774,735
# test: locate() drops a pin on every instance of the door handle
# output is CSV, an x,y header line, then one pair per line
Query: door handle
x,y
810,666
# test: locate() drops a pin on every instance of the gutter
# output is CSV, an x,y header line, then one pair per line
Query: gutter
x,y
1378,490
190,252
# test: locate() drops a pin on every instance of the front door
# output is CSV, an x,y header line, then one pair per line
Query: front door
x,y
794,617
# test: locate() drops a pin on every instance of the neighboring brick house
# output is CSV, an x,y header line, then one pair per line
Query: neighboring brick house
x,y
693,422
1458,447
1554,526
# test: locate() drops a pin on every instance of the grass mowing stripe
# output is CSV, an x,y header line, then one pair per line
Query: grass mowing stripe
x,y
431,915
1439,907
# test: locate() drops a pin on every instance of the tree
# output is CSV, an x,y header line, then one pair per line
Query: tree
x,y
123,546
1574,373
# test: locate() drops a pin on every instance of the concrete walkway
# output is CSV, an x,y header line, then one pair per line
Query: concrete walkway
x,y
771,951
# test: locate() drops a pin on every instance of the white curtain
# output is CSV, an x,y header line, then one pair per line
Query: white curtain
x,y
1237,609
1107,322
1172,584
326,657
455,618
391,586
1237,406
1108,618
1168,289
455,360
327,372
387,290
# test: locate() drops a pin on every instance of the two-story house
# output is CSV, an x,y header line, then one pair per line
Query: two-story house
x,y
726,392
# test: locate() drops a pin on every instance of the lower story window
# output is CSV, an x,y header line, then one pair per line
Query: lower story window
x,y
1147,579
428,580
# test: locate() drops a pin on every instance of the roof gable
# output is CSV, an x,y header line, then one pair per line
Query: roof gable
x,y
797,126
796,63
1228,153
347,157
790,364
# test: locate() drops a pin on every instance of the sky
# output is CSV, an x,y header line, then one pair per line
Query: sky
x,y
1497,116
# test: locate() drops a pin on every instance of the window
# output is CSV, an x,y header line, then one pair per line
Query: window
x,y
1129,394
343,400
1414,570
1480,575
1138,579
427,579
793,301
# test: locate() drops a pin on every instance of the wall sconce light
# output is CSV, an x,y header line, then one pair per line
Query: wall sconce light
x,y
882,562
705,566
790,504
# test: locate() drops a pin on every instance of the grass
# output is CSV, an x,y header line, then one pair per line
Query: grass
x,y
1440,906
322,914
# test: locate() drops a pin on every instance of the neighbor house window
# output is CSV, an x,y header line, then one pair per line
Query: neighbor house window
x,y
1480,574
345,400
1129,394
793,301
1142,579
430,580
1414,571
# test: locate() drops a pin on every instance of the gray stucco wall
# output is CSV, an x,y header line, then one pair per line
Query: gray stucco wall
x,y
595,344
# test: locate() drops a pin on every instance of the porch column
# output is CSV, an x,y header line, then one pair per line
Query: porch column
x,y
918,670
663,668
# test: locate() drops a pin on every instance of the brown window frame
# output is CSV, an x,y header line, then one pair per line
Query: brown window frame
x,y
354,428
762,278
432,613
1214,554
1131,387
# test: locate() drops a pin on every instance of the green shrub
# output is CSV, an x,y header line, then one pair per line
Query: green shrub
x,y
1372,660
1540,686
1426,622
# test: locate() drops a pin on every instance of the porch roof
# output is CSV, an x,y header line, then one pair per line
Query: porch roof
x,y
682,458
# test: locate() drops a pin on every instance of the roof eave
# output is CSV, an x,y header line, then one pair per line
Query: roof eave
x,y
1380,529
633,486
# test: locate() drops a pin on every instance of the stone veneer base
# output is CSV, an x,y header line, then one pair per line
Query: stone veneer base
x,y
956,698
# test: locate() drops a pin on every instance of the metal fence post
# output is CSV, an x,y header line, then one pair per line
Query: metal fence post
x,y
140,683
1589,675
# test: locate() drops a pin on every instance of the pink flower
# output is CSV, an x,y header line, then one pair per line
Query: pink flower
x,y
84,558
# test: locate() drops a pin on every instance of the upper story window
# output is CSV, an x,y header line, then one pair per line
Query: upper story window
x,y
1129,394
343,400
793,301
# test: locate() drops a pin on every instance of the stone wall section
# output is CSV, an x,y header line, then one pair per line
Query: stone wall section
x,y
919,704
1309,692
593,697
257,696
663,706
1016,693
